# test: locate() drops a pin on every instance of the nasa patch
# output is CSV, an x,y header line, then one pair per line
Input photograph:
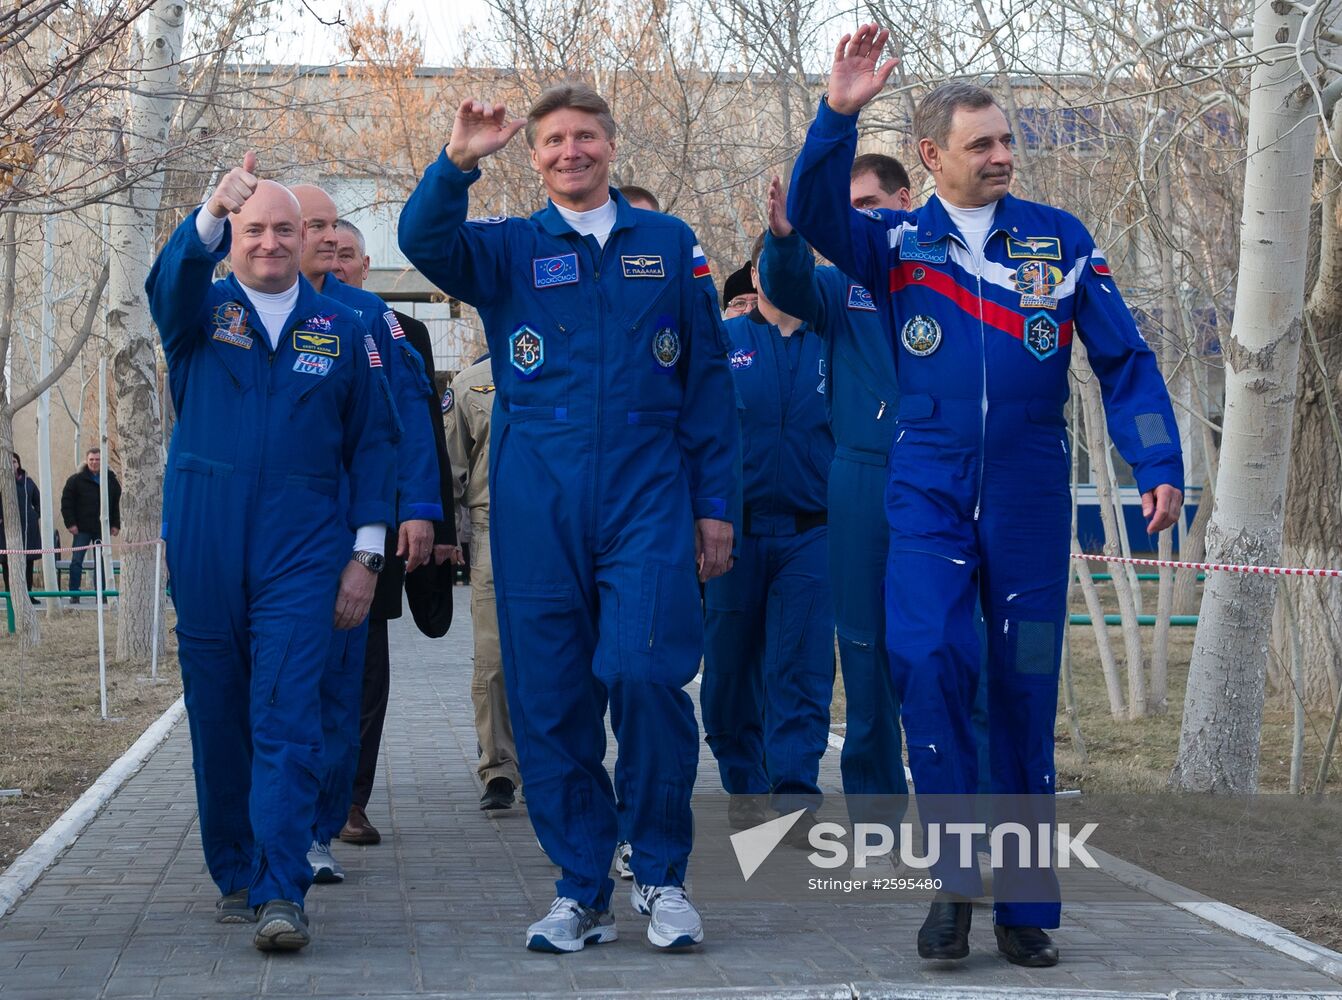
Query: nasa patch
x,y
322,324
741,358
448,400
546,272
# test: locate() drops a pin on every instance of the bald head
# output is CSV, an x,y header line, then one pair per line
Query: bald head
x,y
268,239
319,214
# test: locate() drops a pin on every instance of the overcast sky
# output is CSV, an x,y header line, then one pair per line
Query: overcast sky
x,y
438,22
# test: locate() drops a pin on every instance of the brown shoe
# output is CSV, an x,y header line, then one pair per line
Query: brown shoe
x,y
357,829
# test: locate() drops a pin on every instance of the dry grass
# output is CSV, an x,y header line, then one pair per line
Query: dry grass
x,y
1222,852
55,743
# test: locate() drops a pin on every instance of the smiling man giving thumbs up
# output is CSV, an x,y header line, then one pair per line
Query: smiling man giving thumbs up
x,y
277,390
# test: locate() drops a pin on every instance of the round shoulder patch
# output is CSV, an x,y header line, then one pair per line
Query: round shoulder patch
x,y
449,398
921,335
666,347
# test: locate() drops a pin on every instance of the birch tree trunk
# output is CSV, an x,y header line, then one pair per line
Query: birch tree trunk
x,y
25,615
135,363
1223,708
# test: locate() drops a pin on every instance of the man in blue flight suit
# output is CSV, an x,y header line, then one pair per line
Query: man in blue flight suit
x,y
769,622
612,456
278,400
981,294
861,399
418,506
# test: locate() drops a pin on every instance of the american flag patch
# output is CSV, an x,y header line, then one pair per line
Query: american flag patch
x,y
374,356
1098,264
699,262
393,324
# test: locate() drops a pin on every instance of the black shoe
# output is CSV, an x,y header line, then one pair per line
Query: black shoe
x,y
499,794
746,811
281,926
1027,946
945,932
799,836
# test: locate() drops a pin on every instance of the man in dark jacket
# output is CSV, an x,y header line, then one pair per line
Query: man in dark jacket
x,y
81,510
29,533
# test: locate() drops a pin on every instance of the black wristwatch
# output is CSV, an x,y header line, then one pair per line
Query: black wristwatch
x,y
371,561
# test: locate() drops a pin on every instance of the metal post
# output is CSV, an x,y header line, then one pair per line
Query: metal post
x,y
158,597
102,641
48,513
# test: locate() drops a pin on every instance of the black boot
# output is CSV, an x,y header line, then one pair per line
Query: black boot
x,y
499,794
1028,946
945,932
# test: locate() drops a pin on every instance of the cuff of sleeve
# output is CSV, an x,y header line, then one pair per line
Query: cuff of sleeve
x,y
446,165
829,122
422,512
370,538
370,512
1161,472
209,230
713,507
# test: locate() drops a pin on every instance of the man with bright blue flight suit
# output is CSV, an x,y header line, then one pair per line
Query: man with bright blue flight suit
x,y
418,505
278,401
769,622
861,399
981,295
613,448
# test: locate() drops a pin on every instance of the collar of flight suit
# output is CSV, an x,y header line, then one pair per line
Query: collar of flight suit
x,y
553,223
307,305
935,223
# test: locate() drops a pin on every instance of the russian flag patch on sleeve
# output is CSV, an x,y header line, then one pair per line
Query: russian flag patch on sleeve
x,y
699,262
1098,264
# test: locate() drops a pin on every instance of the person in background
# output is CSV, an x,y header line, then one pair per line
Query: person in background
x,y
29,533
81,510
739,297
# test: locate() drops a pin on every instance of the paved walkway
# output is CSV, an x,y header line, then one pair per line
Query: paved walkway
x,y
439,908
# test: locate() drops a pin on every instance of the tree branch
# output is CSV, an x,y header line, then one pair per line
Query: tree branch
x,y
72,350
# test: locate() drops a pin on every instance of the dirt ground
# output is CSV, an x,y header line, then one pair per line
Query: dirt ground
x,y
55,744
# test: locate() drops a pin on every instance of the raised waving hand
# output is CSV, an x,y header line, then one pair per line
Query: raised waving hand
x,y
858,74
479,130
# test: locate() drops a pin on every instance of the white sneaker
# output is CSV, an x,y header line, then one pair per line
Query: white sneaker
x,y
675,922
325,868
570,926
624,851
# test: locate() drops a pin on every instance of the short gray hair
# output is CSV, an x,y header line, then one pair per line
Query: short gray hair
x,y
350,227
932,117
578,96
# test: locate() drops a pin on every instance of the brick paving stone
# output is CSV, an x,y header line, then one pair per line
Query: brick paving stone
x,y
439,908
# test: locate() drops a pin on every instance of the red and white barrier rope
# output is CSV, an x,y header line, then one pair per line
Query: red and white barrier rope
x,y
1211,567
115,543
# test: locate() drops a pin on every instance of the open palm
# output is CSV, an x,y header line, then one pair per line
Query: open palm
x,y
858,75
478,130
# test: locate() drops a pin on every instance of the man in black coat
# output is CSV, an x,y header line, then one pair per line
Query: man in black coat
x,y
81,510
352,268
29,534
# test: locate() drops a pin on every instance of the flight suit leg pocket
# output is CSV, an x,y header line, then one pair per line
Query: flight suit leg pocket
x,y
544,636
663,642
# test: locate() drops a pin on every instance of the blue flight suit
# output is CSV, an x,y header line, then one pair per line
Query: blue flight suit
x,y
613,430
256,537
769,621
861,399
978,498
418,496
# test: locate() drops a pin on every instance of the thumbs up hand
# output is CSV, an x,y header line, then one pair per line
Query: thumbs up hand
x,y
237,186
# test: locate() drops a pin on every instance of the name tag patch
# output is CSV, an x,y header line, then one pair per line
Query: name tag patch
x,y
316,343
230,325
1047,247
911,249
550,271
859,298
313,364
642,266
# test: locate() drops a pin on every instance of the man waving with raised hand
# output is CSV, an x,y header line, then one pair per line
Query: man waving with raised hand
x,y
612,477
980,295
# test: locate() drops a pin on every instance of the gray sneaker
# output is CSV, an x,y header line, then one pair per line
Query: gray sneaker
x,y
675,922
281,926
624,851
325,868
570,926
233,909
